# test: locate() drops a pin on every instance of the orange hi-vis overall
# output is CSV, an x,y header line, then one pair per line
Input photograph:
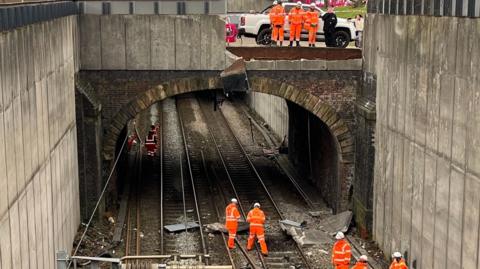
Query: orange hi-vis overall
x,y
341,254
277,19
231,223
295,18
256,218
360,265
311,24
398,265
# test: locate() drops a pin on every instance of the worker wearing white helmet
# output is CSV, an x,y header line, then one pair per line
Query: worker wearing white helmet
x,y
341,252
362,263
311,24
231,221
277,20
295,18
256,218
398,261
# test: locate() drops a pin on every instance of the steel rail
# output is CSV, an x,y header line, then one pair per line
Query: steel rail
x,y
205,170
129,230
232,185
304,258
162,247
195,198
224,198
138,202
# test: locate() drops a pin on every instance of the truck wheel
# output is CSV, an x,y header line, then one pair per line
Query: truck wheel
x,y
264,37
342,39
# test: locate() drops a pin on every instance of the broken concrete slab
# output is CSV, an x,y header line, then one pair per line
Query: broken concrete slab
x,y
180,227
308,237
220,227
337,223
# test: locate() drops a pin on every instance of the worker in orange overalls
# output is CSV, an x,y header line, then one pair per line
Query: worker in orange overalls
x,y
362,263
311,24
277,19
151,143
398,261
341,253
231,221
256,218
295,18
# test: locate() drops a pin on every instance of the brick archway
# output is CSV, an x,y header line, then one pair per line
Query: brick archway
x,y
307,100
312,103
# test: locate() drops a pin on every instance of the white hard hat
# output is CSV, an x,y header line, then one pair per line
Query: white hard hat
x,y
275,2
397,254
256,205
339,236
234,200
313,5
363,258
299,3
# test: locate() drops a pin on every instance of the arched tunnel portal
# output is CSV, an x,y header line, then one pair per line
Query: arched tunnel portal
x,y
330,166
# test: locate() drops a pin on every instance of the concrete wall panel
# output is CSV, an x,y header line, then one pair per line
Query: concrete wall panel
x,y
90,38
138,42
113,42
427,100
187,35
163,54
272,109
455,219
144,42
5,243
471,222
36,124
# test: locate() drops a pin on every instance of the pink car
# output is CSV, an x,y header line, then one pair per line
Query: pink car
x,y
231,32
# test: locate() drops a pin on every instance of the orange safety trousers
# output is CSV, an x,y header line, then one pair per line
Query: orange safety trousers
x,y
277,33
259,232
312,34
232,233
295,31
341,266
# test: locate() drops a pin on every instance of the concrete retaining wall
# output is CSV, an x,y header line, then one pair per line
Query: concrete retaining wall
x,y
152,42
427,163
247,5
39,203
272,109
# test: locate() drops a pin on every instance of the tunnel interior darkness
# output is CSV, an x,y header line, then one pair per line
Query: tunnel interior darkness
x,y
313,150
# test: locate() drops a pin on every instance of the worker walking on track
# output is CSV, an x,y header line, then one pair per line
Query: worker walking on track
x,y
151,143
341,253
362,263
398,261
295,18
277,19
231,221
256,218
311,24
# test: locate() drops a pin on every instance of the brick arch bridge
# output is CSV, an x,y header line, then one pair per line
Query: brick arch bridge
x,y
309,101
337,126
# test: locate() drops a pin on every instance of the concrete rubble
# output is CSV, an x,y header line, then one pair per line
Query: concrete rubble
x,y
336,223
220,227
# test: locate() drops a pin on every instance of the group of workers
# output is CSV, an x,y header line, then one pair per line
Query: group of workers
x,y
341,252
299,19
255,217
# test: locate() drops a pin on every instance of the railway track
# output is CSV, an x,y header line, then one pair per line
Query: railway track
x,y
248,186
179,202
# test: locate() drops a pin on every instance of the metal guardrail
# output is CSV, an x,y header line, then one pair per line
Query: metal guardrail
x,y
16,15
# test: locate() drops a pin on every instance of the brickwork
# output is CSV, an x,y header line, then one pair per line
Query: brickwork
x,y
328,94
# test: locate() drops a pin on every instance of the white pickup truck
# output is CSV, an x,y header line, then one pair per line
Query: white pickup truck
x,y
257,25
